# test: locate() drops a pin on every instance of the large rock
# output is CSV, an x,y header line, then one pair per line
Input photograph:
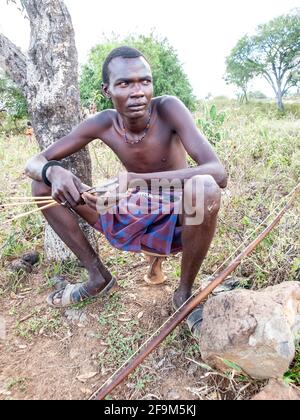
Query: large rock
x,y
278,391
256,330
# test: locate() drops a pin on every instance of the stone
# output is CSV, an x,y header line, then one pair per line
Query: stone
x,y
173,395
76,316
20,266
278,391
256,330
31,257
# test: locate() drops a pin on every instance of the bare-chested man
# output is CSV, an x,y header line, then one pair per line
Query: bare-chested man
x,y
150,136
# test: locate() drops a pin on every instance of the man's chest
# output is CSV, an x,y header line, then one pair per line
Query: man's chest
x,y
149,156
155,152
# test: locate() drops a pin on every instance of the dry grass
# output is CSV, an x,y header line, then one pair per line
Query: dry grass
x,y
261,151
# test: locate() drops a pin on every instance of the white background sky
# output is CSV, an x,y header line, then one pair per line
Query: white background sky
x,y
202,32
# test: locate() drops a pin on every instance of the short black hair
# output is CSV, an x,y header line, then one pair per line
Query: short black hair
x,y
124,52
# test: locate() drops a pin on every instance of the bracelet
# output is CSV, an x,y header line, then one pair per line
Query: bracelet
x,y
44,170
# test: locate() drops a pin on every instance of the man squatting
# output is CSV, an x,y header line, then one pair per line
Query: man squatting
x,y
151,136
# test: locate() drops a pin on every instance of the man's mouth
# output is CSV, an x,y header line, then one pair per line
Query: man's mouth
x,y
137,107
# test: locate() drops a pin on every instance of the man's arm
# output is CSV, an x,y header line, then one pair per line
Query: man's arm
x,y
178,117
85,132
65,185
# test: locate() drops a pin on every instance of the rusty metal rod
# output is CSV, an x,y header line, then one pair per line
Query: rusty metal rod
x,y
187,308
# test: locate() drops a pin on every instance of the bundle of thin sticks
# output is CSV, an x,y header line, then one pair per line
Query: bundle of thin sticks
x,y
17,202
47,201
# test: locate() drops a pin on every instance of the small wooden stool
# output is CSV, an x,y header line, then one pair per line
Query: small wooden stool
x,y
155,274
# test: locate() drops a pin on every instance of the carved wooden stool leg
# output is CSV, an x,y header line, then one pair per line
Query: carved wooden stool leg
x,y
155,274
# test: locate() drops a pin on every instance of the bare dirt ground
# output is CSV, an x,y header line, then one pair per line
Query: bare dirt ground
x,y
69,354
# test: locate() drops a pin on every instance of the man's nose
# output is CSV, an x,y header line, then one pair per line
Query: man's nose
x,y
137,91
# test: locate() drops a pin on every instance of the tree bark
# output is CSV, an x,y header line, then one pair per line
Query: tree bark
x,y
279,99
13,62
246,96
48,77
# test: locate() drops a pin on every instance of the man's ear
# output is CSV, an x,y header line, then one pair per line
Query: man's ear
x,y
106,91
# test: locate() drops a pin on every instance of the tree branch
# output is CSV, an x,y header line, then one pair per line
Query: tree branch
x,y
269,80
277,78
13,62
288,84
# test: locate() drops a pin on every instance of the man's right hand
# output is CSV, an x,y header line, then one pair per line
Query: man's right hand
x,y
66,186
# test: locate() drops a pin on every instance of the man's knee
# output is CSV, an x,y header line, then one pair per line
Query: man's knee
x,y
39,189
202,192
212,195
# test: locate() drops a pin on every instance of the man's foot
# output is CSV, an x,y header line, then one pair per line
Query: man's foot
x,y
179,298
195,318
72,294
155,275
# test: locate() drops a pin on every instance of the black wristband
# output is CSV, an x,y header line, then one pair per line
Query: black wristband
x,y
44,170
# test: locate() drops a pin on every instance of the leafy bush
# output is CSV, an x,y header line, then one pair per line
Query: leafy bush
x,y
12,100
211,124
256,95
168,75
13,107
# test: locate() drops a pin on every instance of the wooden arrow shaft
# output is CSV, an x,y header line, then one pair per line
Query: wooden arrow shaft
x,y
187,308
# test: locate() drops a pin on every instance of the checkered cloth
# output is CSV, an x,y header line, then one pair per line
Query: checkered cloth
x,y
144,222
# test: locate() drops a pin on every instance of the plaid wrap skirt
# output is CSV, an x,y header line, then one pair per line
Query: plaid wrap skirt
x,y
144,222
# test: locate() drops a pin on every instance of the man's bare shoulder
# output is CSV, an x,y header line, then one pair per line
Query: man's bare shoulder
x,y
97,125
167,104
103,119
173,111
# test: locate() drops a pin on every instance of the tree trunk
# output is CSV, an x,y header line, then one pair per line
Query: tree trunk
x,y
48,77
245,96
279,99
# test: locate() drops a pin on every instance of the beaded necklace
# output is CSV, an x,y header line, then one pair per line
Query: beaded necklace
x,y
144,134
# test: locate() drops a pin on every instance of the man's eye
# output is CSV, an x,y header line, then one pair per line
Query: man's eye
x,y
146,82
123,84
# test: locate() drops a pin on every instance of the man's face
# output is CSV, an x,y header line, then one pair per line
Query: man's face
x,y
130,86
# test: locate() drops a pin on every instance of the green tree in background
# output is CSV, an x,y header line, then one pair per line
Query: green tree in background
x,y
168,75
257,94
11,99
240,70
273,53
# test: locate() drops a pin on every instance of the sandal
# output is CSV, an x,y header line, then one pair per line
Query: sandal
x,y
227,285
194,319
72,294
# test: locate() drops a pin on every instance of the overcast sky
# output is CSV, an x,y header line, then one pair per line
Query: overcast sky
x,y
202,32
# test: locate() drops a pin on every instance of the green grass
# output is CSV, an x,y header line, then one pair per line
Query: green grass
x,y
24,234
39,324
260,148
122,334
68,269
15,280
293,375
19,383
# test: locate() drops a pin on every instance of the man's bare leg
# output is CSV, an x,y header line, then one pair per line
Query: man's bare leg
x,y
196,239
64,223
155,274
